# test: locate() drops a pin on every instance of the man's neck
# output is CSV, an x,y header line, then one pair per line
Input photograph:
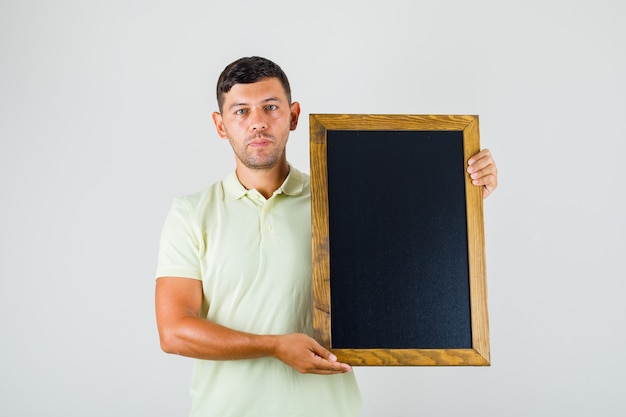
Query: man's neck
x,y
265,181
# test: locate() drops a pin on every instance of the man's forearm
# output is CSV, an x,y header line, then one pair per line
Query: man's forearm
x,y
199,338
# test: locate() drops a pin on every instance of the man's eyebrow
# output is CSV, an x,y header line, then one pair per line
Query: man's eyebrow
x,y
267,100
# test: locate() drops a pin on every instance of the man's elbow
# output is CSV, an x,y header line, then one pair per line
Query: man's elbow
x,y
169,342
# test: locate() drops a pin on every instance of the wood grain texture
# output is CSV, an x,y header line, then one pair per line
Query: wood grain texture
x,y
476,248
320,248
392,122
479,354
411,357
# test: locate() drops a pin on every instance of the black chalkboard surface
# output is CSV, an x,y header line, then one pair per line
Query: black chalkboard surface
x,y
403,251
397,238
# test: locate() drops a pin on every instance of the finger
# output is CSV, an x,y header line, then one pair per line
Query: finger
x,y
322,352
332,367
484,153
489,170
481,164
486,180
330,363
326,361
325,372
488,183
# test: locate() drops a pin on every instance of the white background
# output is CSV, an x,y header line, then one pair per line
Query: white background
x,y
105,118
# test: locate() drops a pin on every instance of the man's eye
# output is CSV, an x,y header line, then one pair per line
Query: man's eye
x,y
240,111
271,107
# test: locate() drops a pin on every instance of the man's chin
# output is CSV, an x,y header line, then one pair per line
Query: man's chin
x,y
262,162
261,165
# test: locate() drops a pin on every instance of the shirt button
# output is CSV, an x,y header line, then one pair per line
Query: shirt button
x,y
268,227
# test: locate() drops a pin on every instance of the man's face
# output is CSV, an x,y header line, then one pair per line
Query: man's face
x,y
256,118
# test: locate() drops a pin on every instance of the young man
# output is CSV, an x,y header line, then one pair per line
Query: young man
x,y
234,267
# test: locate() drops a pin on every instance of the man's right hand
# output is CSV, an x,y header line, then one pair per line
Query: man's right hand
x,y
307,356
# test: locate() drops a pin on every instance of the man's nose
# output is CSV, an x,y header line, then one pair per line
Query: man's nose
x,y
258,121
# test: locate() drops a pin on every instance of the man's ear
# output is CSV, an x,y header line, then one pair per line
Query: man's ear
x,y
219,124
295,113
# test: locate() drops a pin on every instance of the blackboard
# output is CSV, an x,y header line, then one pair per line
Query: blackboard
x,y
398,242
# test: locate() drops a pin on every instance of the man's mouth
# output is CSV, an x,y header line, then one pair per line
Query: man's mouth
x,y
260,141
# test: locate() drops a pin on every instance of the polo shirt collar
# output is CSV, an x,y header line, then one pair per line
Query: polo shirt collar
x,y
293,184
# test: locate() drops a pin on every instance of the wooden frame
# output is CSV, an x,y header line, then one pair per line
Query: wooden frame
x,y
323,126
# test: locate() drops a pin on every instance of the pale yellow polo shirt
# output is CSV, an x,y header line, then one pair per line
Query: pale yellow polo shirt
x,y
254,259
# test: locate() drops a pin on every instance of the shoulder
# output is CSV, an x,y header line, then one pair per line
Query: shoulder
x,y
198,197
228,188
195,205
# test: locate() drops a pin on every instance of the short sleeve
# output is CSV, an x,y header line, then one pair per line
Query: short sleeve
x,y
181,244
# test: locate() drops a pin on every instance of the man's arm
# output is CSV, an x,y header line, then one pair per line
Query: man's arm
x,y
182,331
483,171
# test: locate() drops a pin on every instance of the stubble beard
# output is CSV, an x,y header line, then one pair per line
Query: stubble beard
x,y
261,160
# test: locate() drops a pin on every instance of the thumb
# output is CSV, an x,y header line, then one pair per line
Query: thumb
x,y
322,352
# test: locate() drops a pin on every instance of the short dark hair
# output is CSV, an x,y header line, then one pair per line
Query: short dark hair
x,y
249,70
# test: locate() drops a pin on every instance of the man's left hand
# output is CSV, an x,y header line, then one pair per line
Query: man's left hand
x,y
483,172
